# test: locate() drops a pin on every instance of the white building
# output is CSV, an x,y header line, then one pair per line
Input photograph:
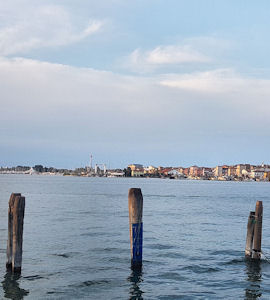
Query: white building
x,y
257,174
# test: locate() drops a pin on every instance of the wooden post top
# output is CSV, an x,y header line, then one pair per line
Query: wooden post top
x,y
135,192
259,208
259,204
12,198
135,205
19,202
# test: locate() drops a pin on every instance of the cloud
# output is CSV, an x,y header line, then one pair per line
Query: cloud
x,y
58,92
220,81
58,111
164,56
38,26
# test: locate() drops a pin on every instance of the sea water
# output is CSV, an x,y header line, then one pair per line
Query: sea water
x,y
76,239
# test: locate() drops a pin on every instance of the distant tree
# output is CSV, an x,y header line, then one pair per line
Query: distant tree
x,y
38,168
127,172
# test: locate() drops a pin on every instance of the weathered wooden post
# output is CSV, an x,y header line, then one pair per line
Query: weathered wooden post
x,y
250,232
135,205
15,232
10,230
257,240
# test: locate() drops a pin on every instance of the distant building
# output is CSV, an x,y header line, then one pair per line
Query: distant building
x,y
150,170
181,170
135,166
225,170
232,171
139,172
174,173
257,174
267,176
184,171
248,167
207,172
241,167
165,171
245,173
218,171
195,171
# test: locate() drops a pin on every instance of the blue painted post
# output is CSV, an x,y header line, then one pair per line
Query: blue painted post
x,y
135,205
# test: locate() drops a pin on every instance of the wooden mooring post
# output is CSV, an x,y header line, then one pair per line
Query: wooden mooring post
x,y
135,205
254,233
257,240
250,233
15,232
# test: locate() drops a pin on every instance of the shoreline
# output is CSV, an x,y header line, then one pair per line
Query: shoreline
x,y
46,174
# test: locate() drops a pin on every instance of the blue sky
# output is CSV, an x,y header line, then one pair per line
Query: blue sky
x,y
153,82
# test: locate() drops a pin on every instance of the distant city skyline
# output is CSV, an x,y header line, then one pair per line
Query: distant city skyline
x,y
139,165
239,172
169,82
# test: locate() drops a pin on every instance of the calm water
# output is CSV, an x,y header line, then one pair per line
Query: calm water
x,y
76,239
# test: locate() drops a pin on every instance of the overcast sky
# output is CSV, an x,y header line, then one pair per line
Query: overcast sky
x,y
148,81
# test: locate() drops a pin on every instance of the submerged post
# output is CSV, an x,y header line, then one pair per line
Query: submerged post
x,y
135,205
250,233
258,231
15,232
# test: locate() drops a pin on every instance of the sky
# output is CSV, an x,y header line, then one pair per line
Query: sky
x,y
172,83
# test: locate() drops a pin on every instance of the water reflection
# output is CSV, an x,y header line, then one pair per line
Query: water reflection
x,y
11,287
135,278
254,275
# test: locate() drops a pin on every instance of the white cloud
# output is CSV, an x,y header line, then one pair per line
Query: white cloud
x,y
221,81
67,88
174,55
37,26
48,106
49,89
164,56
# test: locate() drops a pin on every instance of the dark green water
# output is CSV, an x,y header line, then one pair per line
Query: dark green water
x,y
76,239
